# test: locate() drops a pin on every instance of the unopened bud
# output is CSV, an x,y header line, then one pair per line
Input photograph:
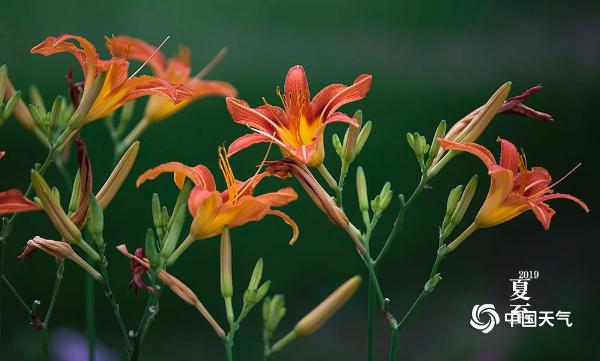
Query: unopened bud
x,y
361,190
451,204
362,137
318,316
440,132
461,206
273,311
351,137
337,144
36,98
3,81
75,193
260,293
118,175
89,97
55,116
433,281
157,216
150,250
383,199
226,278
11,104
256,275
95,221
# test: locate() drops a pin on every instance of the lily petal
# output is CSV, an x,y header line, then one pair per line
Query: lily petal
x,y
136,49
242,113
287,219
13,201
245,141
199,175
509,155
357,91
477,150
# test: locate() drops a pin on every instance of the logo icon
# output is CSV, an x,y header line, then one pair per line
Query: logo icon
x,y
484,317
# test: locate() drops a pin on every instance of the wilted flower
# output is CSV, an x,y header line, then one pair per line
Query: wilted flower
x,y
139,265
297,128
59,250
118,88
514,188
176,70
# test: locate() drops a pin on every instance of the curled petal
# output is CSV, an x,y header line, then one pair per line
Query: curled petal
x,y
509,155
245,141
287,219
199,175
544,213
357,91
242,113
546,197
13,201
136,49
203,203
477,150
204,88
280,198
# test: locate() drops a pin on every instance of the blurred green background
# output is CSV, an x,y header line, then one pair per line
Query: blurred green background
x,y
430,60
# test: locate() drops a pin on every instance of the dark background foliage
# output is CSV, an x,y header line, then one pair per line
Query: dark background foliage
x,y
430,60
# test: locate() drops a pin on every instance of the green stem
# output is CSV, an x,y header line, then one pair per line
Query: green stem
x,y
370,321
113,302
18,297
90,316
395,338
131,137
44,341
55,291
327,176
400,219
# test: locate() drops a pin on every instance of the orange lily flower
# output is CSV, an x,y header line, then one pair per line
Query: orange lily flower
x,y
176,70
297,128
117,89
214,210
13,201
514,188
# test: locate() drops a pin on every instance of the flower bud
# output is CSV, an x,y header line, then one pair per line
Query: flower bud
x,y
157,216
151,251
440,132
89,97
461,206
383,199
36,98
226,278
318,316
3,81
252,297
118,175
337,144
256,275
361,190
20,111
351,137
362,137
273,311
95,221
55,116
433,281
63,224
453,199
11,104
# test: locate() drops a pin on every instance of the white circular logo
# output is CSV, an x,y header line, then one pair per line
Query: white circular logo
x,y
484,317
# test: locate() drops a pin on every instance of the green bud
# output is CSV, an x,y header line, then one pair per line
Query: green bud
x,y
440,132
74,201
351,137
150,250
96,220
176,222
433,281
337,144
256,275
56,193
385,197
461,206
3,78
361,190
362,137
86,103
273,312
55,116
11,104
157,216
36,98
411,140
39,118
226,276
451,204
260,293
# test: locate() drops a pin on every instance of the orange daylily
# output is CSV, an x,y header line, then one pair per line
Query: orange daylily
x,y
176,70
297,128
13,200
118,88
237,205
514,188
